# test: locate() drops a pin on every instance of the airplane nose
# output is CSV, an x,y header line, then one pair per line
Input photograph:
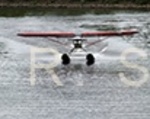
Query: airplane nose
x,y
90,60
65,59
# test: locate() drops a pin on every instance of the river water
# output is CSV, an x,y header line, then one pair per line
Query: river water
x,y
76,92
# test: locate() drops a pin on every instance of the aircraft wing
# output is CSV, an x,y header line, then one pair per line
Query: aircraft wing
x,y
47,34
84,34
110,33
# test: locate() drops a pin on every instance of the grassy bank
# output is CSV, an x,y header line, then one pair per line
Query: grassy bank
x,y
32,7
139,2
38,11
77,5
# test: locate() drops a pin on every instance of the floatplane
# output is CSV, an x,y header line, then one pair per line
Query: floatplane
x,y
80,49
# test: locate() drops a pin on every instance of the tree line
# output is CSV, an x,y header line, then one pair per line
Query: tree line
x,y
80,1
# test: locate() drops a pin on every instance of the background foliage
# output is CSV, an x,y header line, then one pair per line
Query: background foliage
x,y
80,1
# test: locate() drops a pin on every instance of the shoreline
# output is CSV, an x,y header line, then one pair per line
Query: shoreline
x,y
75,5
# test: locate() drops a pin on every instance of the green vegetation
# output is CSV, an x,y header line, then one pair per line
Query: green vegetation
x,y
12,8
19,12
79,1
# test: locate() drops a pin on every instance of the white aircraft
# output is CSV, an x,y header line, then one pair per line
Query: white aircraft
x,y
79,49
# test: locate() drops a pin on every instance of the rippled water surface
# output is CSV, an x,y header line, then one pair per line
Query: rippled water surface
x,y
95,92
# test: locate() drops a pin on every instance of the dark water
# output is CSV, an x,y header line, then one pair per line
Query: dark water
x,y
20,12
